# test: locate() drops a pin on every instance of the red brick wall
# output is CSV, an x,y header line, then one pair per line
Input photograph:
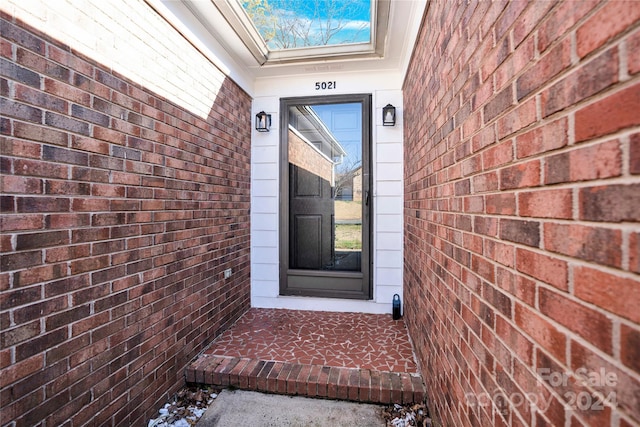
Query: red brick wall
x,y
302,154
522,202
120,212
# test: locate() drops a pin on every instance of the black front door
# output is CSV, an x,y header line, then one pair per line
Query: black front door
x,y
310,219
325,203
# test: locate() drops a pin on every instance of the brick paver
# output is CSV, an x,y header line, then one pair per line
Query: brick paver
x,y
350,356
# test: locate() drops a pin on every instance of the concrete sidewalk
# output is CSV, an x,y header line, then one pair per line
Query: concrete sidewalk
x,y
249,408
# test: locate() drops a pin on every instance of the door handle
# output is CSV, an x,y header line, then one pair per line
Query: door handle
x,y
366,198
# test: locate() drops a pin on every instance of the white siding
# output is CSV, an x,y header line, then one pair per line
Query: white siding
x,y
387,192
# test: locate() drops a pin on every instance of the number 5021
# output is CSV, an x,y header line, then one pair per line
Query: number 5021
x,y
325,85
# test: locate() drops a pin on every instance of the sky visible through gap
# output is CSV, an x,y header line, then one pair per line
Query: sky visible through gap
x,y
287,24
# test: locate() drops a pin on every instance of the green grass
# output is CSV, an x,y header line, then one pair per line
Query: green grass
x,y
348,236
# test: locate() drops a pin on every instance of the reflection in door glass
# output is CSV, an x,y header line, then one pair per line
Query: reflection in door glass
x,y
325,187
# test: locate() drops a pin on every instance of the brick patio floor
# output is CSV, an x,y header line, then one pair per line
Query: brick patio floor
x,y
349,356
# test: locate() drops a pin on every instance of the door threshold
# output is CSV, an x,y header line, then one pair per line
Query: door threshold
x,y
322,304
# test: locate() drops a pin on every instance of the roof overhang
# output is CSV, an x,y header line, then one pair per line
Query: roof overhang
x,y
224,23
235,15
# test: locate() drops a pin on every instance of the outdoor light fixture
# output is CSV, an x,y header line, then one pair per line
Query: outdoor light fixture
x,y
263,122
389,115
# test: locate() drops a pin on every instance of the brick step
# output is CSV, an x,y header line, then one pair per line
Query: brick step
x,y
359,385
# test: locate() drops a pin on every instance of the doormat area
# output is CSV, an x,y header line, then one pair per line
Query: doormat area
x,y
345,340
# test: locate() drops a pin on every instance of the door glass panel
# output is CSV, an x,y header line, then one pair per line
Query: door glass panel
x,y
325,187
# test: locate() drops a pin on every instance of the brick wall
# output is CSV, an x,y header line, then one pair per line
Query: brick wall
x,y
120,212
303,155
522,202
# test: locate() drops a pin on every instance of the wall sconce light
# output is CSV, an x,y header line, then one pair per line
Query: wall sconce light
x,y
263,122
389,115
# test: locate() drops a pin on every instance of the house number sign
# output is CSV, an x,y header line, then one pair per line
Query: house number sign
x,y
326,85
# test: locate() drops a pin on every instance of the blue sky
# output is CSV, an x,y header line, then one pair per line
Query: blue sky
x,y
312,16
357,10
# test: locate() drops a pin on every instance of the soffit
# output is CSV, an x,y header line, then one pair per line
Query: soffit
x,y
391,51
